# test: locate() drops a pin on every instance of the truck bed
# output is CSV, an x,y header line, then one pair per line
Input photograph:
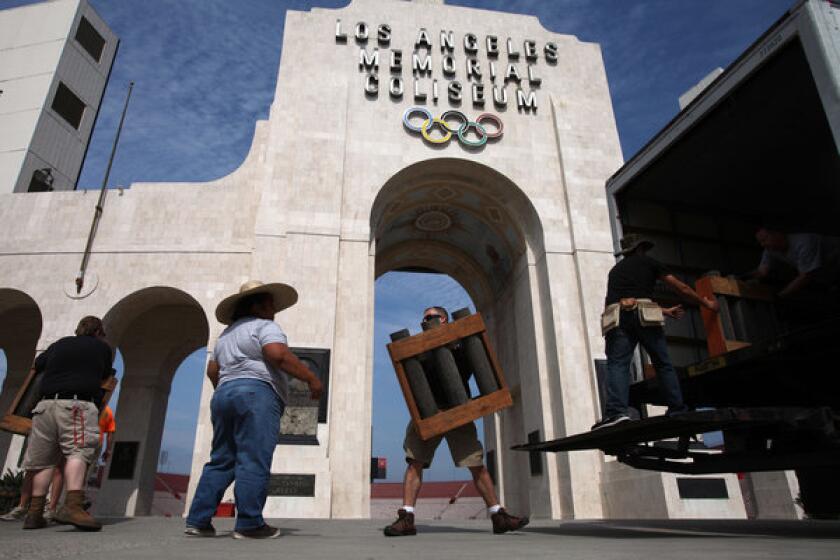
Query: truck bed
x,y
777,403
795,369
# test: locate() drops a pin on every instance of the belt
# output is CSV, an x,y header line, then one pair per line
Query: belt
x,y
69,396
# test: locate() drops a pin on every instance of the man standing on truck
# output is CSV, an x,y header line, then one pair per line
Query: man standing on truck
x,y
632,317
466,451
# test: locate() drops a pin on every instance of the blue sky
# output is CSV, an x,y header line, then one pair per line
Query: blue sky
x,y
187,124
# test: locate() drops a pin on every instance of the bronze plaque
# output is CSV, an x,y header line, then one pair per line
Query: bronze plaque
x,y
301,485
299,424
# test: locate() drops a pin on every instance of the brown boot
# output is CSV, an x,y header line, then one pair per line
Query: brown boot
x,y
73,512
35,516
504,522
403,526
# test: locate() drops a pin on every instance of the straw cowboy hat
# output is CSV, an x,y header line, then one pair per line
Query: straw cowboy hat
x,y
284,296
633,241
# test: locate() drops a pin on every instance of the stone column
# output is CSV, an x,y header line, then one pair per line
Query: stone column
x,y
350,383
141,414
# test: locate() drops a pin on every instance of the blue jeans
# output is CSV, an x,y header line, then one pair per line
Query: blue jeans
x,y
246,423
621,343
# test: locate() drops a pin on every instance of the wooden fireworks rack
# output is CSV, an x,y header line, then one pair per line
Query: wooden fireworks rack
x,y
412,356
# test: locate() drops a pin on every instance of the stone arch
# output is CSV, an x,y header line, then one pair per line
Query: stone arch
x,y
469,221
155,329
20,328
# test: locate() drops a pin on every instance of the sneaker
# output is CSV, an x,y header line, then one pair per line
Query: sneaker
x,y
611,421
504,522
264,532
208,531
16,514
402,527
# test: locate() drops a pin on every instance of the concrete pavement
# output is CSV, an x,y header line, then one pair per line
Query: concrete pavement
x,y
158,538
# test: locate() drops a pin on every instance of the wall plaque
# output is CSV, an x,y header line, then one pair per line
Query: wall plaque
x,y
301,485
299,424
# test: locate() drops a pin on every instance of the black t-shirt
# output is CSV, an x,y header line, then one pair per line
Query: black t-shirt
x,y
634,276
74,364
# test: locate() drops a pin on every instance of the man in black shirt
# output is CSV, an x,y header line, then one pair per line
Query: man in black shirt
x,y
629,295
65,423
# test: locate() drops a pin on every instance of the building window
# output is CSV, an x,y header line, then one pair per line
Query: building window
x,y
42,180
68,105
90,39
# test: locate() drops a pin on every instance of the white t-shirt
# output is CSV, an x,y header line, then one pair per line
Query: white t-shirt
x,y
239,353
806,252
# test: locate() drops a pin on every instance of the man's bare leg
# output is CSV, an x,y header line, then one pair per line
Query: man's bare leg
x,y
484,485
412,482
56,487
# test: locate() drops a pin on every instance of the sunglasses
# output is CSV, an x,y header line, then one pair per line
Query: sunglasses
x,y
430,318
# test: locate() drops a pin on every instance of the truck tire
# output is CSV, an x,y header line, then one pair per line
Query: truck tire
x,y
819,491
480,365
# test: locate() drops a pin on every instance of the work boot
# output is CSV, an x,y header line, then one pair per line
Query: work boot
x,y
35,516
504,522
73,513
403,526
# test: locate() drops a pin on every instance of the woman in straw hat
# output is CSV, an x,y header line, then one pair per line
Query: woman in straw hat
x,y
248,369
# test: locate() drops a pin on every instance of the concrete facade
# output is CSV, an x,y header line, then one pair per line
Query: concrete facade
x,y
42,59
335,191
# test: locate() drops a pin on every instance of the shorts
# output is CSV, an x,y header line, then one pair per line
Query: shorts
x,y
62,428
463,444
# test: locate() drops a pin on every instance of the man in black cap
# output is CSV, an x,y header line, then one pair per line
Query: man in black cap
x,y
631,318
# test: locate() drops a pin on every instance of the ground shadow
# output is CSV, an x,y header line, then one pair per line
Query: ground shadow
x,y
695,528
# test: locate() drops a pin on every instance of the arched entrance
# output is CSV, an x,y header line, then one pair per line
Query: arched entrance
x,y
20,329
472,223
155,329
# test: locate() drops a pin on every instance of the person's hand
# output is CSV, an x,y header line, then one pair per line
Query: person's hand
x,y
675,312
711,304
316,388
106,456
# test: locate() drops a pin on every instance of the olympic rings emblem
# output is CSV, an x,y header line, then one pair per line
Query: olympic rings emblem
x,y
453,123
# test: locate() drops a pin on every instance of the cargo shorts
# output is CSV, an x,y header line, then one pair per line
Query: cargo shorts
x,y
463,443
62,428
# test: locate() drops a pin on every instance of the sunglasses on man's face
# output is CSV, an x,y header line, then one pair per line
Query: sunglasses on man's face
x,y
430,318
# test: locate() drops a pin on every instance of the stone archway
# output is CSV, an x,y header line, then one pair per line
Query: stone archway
x,y
469,221
20,329
155,329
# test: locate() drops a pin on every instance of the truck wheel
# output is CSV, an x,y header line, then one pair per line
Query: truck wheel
x,y
449,377
819,491
477,359
419,384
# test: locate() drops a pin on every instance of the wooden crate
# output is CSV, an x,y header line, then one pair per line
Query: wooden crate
x,y
19,422
714,286
446,420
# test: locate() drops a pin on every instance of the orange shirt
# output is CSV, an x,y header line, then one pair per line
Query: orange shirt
x,y
106,423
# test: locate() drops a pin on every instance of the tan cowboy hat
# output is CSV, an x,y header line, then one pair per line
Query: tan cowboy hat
x,y
633,241
284,296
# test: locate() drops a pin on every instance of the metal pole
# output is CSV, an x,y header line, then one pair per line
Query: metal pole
x,y
80,279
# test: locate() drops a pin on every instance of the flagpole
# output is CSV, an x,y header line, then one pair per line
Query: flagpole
x,y
80,279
